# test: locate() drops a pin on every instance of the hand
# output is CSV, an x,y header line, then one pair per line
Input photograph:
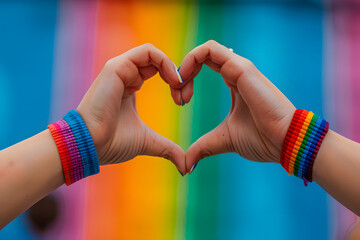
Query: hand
x,y
260,114
109,108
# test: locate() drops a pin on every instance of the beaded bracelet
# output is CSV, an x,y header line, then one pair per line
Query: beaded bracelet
x,y
302,142
76,148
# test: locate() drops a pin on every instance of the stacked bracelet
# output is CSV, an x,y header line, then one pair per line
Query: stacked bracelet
x,y
302,143
76,148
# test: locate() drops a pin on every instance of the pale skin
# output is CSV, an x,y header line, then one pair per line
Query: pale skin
x,y
258,120
255,128
32,169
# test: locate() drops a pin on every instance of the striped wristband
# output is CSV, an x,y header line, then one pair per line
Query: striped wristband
x,y
76,148
302,143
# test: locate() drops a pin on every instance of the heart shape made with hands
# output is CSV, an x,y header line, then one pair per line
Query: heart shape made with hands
x,y
254,128
259,115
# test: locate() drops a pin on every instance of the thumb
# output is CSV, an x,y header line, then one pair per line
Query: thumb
x,y
212,143
160,146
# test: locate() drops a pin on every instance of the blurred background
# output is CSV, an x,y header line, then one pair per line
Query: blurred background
x,y
50,52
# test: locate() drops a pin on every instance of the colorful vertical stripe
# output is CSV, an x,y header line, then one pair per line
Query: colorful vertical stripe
x,y
308,49
341,88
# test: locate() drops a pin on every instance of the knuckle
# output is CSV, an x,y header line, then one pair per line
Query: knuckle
x,y
128,66
149,46
168,153
211,43
110,64
123,68
231,64
247,65
128,72
203,151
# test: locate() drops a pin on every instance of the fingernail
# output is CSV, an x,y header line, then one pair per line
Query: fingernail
x,y
182,103
180,172
193,167
179,76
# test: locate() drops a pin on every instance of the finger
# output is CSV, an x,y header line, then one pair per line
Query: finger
x,y
195,59
147,72
212,143
187,91
194,72
210,53
148,55
213,66
157,145
176,95
237,71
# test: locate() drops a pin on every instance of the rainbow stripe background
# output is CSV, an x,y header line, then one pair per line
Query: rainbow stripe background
x,y
51,51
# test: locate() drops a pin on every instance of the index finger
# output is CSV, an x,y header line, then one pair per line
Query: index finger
x,y
210,53
148,55
140,63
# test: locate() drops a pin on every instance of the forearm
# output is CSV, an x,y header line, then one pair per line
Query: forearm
x,y
29,171
337,170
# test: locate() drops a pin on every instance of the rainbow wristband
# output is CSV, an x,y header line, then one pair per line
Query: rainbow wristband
x,y
302,142
76,148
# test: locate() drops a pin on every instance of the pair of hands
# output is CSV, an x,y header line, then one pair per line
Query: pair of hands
x,y
255,127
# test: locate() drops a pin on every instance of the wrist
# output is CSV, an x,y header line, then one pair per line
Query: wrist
x,y
94,126
76,148
302,143
326,150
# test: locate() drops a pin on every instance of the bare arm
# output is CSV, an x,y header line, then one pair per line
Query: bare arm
x,y
29,171
337,170
32,169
